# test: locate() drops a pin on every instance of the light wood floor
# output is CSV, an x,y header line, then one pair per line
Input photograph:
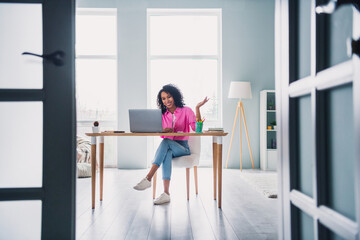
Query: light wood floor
x,y
128,214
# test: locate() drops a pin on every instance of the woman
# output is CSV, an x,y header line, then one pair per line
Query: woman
x,y
175,118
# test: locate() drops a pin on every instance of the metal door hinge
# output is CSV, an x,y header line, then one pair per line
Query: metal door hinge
x,y
355,47
332,5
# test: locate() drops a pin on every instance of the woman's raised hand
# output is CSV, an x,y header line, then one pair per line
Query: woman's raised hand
x,y
200,104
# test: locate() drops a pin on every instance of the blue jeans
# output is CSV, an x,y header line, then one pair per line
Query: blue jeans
x,y
167,150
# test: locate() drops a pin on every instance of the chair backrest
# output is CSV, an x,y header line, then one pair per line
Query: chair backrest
x,y
193,159
195,144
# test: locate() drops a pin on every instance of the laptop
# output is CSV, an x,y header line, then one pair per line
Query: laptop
x,y
145,120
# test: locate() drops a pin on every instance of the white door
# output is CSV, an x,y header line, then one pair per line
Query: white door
x,y
318,97
37,120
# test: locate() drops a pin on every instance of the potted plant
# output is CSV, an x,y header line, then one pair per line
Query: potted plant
x,y
271,105
273,123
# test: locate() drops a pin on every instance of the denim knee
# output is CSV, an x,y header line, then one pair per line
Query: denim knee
x,y
161,152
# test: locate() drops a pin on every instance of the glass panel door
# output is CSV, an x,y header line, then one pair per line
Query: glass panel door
x,y
21,141
37,124
21,31
320,118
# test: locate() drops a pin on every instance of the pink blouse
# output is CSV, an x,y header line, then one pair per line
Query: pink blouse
x,y
184,119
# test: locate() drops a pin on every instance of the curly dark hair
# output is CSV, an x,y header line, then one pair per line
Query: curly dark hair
x,y
174,92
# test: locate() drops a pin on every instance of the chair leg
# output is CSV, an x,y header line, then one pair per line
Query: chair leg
x,y
187,181
154,185
196,179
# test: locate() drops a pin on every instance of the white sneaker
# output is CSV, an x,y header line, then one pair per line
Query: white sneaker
x,y
164,198
142,185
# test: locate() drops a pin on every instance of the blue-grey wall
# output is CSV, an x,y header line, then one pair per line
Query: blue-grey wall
x,y
248,55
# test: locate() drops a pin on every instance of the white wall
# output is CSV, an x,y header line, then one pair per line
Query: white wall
x,y
248,55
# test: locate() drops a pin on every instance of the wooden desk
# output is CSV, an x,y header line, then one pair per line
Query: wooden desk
x,y
217,157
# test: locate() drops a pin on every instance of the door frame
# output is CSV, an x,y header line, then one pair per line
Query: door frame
x,y
341,74
58,191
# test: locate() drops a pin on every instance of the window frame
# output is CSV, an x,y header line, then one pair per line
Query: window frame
x,y
218,57
106,123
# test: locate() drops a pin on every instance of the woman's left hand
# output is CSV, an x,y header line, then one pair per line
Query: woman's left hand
x,y
200,104
168,130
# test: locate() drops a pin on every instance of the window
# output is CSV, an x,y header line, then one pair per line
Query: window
x,y
96,73
184,48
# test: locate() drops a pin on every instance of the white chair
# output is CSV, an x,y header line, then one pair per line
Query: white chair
x,y
187,162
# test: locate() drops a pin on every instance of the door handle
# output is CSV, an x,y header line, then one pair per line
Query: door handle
x,y
353,47
57,57
332,5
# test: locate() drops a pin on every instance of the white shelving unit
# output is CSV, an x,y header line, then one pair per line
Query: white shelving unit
x,y
268,144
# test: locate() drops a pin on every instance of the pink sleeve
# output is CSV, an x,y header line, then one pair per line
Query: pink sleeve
x,y
192,119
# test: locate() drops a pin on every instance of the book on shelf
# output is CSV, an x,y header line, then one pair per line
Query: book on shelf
x,y
216,129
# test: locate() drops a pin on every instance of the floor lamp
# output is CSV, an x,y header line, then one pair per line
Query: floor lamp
x,y
240,90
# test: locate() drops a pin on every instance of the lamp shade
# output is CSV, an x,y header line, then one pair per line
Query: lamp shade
x,y
241,90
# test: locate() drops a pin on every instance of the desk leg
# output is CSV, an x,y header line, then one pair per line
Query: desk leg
x,y
154,184
219,168
101,156
93,170
214,164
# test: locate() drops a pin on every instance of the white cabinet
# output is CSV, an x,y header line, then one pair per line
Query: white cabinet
x,y
268,144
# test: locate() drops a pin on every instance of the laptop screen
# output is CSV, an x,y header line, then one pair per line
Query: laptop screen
x,y
145,120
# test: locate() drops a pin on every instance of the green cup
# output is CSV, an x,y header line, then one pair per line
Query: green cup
x,y
199,127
